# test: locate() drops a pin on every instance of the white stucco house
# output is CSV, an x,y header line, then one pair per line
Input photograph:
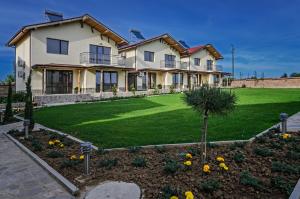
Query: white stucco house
x,y
81,55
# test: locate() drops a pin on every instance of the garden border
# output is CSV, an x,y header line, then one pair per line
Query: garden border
x,y
61,179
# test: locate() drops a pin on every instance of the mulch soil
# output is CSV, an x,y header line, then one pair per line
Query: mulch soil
x,y
265,179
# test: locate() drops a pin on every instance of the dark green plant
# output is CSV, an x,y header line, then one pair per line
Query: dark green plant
x,y
108,163
276,145
101,151
69,163
8,115
261,140
159,86
160,149
210,185
211,145
247,179
171,167
284,186
114,90
168,192
55,154
294,147
134,149
139,162
193,150
293,155
237,145
68,142
265,152
209,100
36,145
239,157
172,89
284,168
28,114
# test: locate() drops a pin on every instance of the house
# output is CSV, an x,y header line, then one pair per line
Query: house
x,y
82,56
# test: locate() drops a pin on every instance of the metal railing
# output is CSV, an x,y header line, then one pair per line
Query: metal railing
x,y
90,58
173,64
218,68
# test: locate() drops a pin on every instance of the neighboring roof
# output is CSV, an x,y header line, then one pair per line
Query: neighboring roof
x,y
166,37
210,48
104,30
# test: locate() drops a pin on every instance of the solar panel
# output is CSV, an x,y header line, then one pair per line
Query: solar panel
x,y
53,16
137,34
184,44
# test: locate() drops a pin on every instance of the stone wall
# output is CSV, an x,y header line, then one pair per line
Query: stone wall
x,y
293,82
4,89
18,105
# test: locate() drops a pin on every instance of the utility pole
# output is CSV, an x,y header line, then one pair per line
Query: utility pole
x,y
232,57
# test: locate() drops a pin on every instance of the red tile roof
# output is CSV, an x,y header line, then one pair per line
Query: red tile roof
x,y
195,49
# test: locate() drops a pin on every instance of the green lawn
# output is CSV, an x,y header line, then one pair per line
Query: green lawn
x,y
166,119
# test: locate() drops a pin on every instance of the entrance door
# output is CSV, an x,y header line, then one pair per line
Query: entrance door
x,y
132,81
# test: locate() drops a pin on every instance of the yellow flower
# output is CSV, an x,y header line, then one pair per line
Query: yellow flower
x,y
81,157
206,168
188,155
223,166
189,195
220,159
188,163
174,197
51,143
73,157
61,145
56,141
286,136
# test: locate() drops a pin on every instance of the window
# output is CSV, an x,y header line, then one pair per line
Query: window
x,y
177,79
100,55
110,79
59,82
98,80
56,46
149,56
197,61
209,64
170,61
152,80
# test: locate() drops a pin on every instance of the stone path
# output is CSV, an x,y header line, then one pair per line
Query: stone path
x,y
21,177
293,123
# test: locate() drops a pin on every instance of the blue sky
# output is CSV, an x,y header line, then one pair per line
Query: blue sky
x,y
265,33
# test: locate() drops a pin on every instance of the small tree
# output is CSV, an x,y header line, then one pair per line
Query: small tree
x,y
28,103
209,100
8,115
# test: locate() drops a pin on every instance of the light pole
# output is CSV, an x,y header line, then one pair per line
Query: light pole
x,y
232,59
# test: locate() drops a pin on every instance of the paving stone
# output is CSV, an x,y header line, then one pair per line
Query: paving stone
x,y
115,190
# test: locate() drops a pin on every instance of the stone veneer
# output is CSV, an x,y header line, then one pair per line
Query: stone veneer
x,y
293,82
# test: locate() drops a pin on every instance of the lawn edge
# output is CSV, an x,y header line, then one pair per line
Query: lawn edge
x,y
61,179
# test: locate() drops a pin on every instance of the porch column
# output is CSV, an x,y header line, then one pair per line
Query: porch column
x,y
126,81
44,81
78,81
102,81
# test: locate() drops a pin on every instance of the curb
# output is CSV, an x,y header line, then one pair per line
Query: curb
x,y
296,192
66,183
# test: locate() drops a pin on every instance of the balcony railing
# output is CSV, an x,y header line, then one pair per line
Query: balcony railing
x,y
89,58
218,68
173,64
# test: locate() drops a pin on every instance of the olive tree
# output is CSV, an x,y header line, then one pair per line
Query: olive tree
x,y
208,100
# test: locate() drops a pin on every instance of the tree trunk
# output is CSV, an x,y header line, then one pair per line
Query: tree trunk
x,y
203,138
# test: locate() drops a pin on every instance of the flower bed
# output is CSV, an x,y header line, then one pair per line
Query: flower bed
x,y
267,168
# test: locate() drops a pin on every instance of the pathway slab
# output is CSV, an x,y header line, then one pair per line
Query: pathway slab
x,y
21,177
115,190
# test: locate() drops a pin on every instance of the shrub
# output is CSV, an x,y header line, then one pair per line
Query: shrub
x,y
247,179
294,147
156,91
168,192
55,154
68,142
212,145
193,151
172,89
139,162
243,85
293,155
210,185
171,167
237,145
134,149
108,163
160,149
132,89
101,151
114,90
69,163
8,115
263,151
239,157
37,145
261,139
28,113
159,86
279,183
284,168
275,145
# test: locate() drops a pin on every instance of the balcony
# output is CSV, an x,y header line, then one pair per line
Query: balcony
x,y
88,58
173,64
219,68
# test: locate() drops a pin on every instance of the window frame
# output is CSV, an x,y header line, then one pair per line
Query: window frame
x,y
197,61
60,51
150,56
170,63
110,84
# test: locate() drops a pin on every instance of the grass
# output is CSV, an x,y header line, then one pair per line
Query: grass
x,y
166,118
